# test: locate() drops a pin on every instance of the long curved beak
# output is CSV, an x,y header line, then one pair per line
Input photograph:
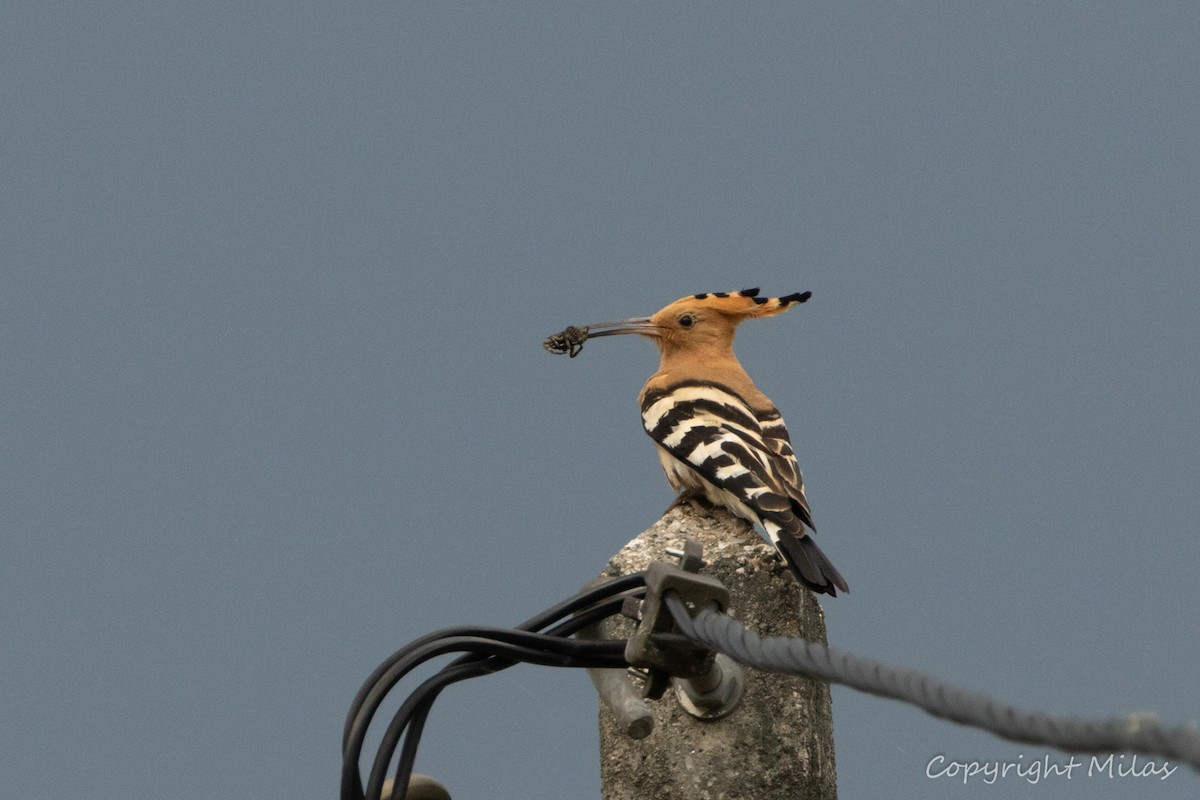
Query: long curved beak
x,y
571,340
640,325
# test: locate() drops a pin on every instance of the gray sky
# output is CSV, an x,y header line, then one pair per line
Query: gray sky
x,y
275,281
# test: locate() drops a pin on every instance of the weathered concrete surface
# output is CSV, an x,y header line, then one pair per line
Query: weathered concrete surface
x,y
779,742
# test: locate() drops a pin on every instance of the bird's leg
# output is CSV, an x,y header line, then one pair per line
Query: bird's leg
x,y
693,497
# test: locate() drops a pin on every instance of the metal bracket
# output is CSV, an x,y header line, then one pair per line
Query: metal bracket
x,y
663,656
707,686
633,715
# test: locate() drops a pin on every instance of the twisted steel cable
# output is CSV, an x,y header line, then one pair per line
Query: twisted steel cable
x,y
1137,733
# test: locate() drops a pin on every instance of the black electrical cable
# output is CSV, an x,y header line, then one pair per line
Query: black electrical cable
x,y
416,719
434,645
553,614
408,752
487,650
384,675
574,654
481,645
591,654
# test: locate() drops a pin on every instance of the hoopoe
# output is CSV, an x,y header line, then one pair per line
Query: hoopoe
x,y
718,437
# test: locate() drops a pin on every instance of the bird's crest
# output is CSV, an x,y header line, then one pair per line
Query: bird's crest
x,y
744,304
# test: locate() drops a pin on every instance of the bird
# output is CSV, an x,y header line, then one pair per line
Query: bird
x,y
720,440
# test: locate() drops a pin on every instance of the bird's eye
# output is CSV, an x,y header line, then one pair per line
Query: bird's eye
x,y
687,321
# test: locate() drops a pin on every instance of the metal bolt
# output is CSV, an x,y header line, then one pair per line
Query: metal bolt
x,y
690,558
632,608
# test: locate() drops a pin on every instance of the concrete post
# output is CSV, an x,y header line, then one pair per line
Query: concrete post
x,y
779,742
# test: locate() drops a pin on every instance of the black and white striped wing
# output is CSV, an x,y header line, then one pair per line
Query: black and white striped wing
x,y
775,436
749,468
712,431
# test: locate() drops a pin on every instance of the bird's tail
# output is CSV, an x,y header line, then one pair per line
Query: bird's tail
x,y
810,566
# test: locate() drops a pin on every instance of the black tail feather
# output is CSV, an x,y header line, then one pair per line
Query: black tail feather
x,y
810,566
